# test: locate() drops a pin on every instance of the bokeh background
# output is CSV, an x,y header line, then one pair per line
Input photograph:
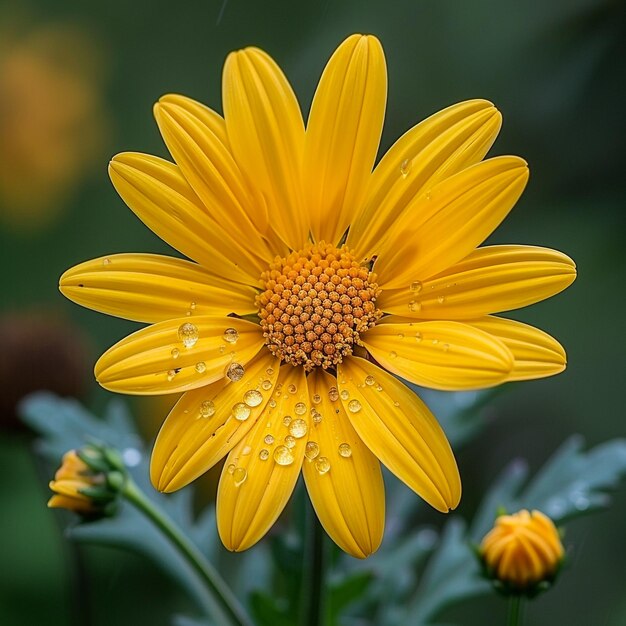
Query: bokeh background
x,y
77,83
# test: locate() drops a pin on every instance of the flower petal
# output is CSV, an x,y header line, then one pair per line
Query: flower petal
x,y
400,430
159,195
449,220
440,146
261,471
440,355
152,288
342,476
536,353
343,133
208,422
177,355
488,280
196,138
266,134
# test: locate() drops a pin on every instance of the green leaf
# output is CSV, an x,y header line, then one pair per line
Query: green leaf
x,y
267,611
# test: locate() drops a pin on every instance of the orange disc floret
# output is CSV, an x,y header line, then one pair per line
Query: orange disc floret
x,y
314,304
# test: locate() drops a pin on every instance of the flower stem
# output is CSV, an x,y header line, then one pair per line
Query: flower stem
x,y
515,605
314,565
224,599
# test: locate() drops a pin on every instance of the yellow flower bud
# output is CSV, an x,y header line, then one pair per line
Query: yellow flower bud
x,y
522,550
70,482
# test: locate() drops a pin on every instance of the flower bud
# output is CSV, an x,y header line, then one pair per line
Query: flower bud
x,y
81,483
522,552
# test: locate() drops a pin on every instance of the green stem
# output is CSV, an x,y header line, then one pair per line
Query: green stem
x,y
313,605
515,605
226,602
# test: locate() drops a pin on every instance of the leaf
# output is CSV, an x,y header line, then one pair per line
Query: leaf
x,y
267,612
345,592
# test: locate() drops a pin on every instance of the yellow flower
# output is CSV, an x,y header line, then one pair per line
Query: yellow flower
x,y
522,550
316,280
70,481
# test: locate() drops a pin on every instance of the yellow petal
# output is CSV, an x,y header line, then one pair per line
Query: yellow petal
x,y
448,221
207,423
439,354
178,355
162,199
70,488
488,280
261,471
536,353
343,133
152,288
79,504
342,476
195,138
435,149
401,431
266,135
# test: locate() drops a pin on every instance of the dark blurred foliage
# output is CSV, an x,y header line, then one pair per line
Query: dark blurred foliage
x,y
556,70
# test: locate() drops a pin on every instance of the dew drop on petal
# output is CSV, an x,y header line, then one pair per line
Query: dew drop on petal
x,y
317,417
322,465
269,439
405,168
345,450
415,286
316,398
106,261
283,455
393,354
298,428
292,389
287,420
200,367
266,385
207,408
239,476
369,380
272,403
170,375
290,441
253,397
415,306
230,335
235,372
264,454
418,336
333,394
312,450
188,334
441,299
300,408
175,353
246,451
269,371
354,406
231,468
241,412
345,394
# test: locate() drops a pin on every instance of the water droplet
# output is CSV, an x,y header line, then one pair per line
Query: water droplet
x,y
441,299
235,371
322,465
207,408
292,389
287,420
400,336
170,375
418,336
300,408
269,439
241,412
415,306
200,367
188,334
253,397
379,387
316,398
393,355
405,167
345,450
333,394
175,353
283,455
317,417
192,306
312,450
290,441
298,428
246,451
272,403
428,195
354,406
396,403
266,385
239,476
369,380
231,468
106,261
230,335
269,371
264,454
435,342
345,394
415,286
446,347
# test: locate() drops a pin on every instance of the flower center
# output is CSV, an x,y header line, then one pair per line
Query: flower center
x,y
314,304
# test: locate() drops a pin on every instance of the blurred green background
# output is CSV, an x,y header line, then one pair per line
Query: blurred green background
x,y
77,83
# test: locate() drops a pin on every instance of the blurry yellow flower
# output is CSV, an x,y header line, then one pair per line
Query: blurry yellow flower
x,y
522,550
69,485
315,280
51,120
